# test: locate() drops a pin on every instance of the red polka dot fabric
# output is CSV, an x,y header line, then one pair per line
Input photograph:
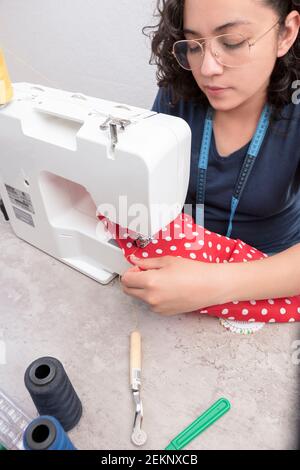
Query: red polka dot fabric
x,y
183,238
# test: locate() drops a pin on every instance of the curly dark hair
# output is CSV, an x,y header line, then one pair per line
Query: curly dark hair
x,y
182,83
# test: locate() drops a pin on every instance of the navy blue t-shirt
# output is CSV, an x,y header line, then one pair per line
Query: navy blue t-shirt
x,y
268,215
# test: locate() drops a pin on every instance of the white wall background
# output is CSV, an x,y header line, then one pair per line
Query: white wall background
x,y
95,47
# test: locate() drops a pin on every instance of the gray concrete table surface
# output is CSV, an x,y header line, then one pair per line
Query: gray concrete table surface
x,y
189,361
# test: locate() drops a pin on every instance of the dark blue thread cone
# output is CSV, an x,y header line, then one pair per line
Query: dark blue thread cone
x,y
46,433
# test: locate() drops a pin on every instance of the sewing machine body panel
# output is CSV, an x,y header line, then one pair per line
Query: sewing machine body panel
x,y
58,167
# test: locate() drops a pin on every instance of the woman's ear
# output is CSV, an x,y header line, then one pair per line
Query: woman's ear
x,y
290,33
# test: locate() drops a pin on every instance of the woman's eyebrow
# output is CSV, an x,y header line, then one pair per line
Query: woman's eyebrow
x,y
218,29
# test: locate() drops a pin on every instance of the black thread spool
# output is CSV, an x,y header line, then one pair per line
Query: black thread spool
x,y
52,392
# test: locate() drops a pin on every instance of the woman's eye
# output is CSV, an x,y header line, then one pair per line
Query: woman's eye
x,y
233,45
193,50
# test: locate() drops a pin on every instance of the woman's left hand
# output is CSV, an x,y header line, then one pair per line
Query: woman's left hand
x,y
174,285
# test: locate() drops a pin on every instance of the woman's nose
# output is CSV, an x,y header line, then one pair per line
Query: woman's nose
x,y
210,66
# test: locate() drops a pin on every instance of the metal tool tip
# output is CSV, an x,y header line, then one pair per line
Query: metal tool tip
x,y
139,438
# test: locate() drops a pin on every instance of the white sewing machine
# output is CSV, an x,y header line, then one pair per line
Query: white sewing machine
x,y
64,155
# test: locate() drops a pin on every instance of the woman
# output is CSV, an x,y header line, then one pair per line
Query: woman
x,y
231,68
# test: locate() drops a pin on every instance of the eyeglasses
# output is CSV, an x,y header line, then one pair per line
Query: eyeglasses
x,y
230,50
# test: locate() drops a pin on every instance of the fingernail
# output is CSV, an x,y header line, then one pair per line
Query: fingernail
x,y
134,257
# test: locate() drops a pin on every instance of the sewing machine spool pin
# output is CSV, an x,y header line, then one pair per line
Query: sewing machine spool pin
x,y
112,123
113,134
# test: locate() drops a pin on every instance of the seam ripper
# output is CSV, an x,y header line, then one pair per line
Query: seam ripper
x,y
138,436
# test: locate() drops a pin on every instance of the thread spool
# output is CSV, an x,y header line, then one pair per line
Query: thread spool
x,y
52,392
46,433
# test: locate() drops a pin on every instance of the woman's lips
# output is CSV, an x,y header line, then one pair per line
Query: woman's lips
x,y
215,90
